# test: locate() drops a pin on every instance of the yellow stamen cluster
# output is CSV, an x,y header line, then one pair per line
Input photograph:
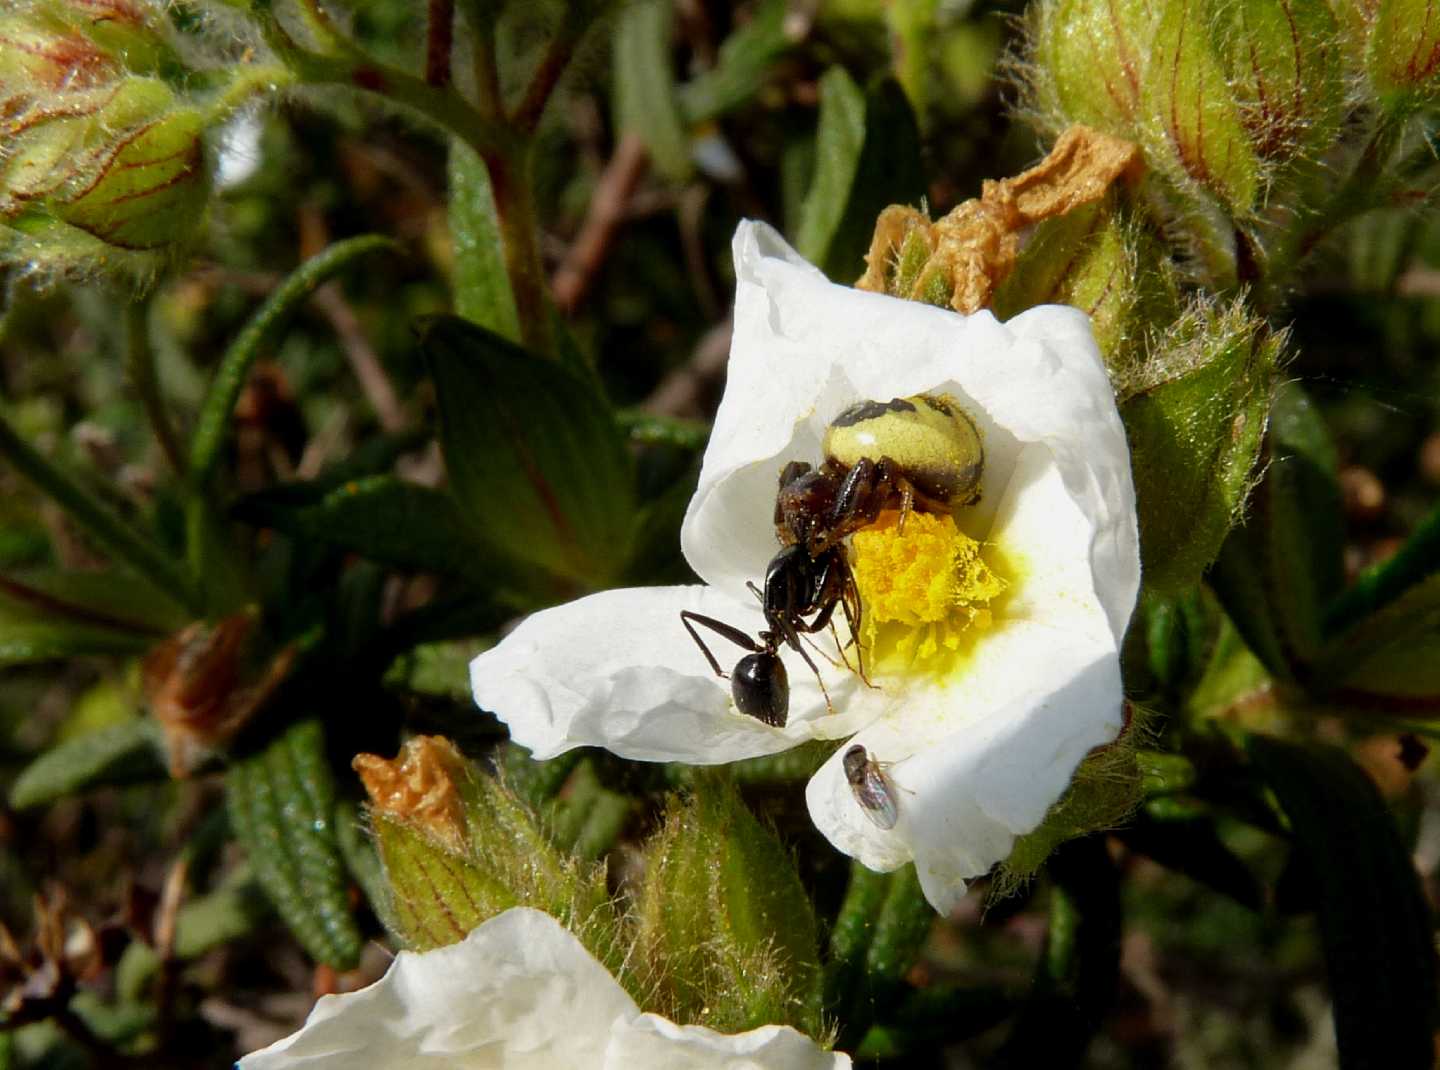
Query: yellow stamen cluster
x,y
926,593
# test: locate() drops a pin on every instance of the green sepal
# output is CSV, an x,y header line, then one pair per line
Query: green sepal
x,y
482,287
119,754
1375,924
1076,978
645,97
1088,60
1100,259
535,459
1403,56
1195,417
1103,793
867,157
440,888
282,807
1283,62
724,920
1192,130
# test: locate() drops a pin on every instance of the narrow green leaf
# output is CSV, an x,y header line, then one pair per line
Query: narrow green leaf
x,y
112,533
115,600
535,459
482,286
261,330
645,97
1375,925
838,144
740,70
282,808
381,517
1379,585
1393,650
121,754
1194,848
1076,978
934,1016
888,172
1295,528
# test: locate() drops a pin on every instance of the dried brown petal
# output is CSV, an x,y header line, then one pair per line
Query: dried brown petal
x,y
422,786
969,252
203,685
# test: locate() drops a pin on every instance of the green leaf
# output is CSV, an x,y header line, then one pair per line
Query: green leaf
x,y
116,536
282,808
534,457
482,286
48,617
1195,435
1378,586
867,158
1394,650
1296,520
1375,925
838,144
260,331
1076,978
740,70
645,97
381,517
121,754
1193,847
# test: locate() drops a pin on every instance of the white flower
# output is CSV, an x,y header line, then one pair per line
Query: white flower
x,y
976,741
519,992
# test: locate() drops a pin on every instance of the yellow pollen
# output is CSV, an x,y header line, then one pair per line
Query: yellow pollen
x,y
925,595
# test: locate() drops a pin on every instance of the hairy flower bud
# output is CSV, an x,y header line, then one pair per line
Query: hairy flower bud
x,y
1282,62
100,163
1193,130
1403,57
1089,56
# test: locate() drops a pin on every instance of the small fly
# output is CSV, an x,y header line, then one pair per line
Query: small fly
x,y
872,791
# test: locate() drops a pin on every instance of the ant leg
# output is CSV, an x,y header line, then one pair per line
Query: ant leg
x,y
793,638
735,635
755,591
851,607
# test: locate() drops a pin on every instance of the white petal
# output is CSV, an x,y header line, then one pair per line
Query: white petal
x,y
803,349
519,992
618,670
963,801
1054,631
650,1042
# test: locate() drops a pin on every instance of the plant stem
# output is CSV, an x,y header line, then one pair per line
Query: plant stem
x,y
515,209
140,359
552,65
439,41
111,532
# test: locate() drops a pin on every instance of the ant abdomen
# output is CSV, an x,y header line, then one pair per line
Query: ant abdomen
x,y
761,688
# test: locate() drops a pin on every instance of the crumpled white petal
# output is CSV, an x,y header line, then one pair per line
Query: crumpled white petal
x,y
518,993
973,761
